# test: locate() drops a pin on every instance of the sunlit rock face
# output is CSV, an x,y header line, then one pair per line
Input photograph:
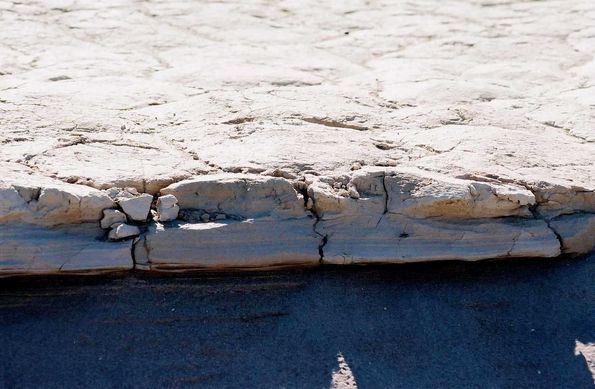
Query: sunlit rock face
x,y
411,216
31,250
261,222
298,132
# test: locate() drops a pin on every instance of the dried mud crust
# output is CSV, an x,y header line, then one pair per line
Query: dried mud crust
x,y
326,133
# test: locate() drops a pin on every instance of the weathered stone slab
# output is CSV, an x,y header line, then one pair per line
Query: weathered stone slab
x,y
412,216
51,203
392,84
27,250
111,217
399,239
577,232
419,194
430,195
123,231
242,195
350,119
253,243
265,224
167,208
136,208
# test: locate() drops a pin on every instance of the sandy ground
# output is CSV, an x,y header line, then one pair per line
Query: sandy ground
x,y
489,325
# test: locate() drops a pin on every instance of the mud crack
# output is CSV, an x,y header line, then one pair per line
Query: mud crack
x,y
334,123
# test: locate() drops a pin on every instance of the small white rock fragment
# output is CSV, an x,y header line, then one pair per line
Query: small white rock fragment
x,y
205,217
309,203
121,231
167,208
111,217
137,208
353,193
167,201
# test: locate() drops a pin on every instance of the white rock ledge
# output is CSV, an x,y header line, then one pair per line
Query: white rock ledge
x,y
373,215
577,232
48,202
398,239
253,243
409,132
29,250
268,226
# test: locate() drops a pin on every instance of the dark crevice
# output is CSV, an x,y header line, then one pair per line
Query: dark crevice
x,y
132,249
240,120
324,237
514,241
558,236
303,189
321,247
536,215
385,211
385,194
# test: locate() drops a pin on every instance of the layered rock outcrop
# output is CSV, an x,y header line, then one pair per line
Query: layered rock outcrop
x,y
262,223
410,216
31,250
241,221
48,202
308,133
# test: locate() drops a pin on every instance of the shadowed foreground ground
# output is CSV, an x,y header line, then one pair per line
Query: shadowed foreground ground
x,y
494,324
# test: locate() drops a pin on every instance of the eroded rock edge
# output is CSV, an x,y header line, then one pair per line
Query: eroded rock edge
x,y
570,225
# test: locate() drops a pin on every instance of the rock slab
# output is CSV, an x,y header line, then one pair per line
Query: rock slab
x,y
136,208
264,224
351,132
28,250
167,208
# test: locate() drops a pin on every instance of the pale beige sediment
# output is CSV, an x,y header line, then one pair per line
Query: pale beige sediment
x,y
352,131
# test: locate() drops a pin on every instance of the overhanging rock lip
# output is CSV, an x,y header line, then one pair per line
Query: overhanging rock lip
x,y
270,240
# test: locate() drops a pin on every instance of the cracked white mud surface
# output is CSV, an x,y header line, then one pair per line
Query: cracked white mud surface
x,y
492,103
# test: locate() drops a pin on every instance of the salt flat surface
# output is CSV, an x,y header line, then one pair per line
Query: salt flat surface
x,y
118,93
299,132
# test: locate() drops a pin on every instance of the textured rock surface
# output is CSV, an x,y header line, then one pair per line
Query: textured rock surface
x,y
260,243
123,231
136,208
445,118
401,239
266,225
111,217
36,250
167,208
39,200
242,195
576,231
